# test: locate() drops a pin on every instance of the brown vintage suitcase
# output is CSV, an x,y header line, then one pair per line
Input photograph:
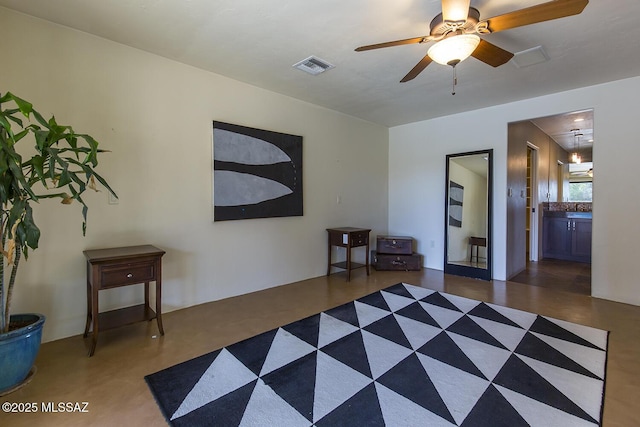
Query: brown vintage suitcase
x,y
411,262
398,245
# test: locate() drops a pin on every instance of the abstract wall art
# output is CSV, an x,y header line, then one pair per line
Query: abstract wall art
x,y
456,195
256,173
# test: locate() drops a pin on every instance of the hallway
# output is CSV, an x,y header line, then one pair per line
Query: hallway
x,y
560,275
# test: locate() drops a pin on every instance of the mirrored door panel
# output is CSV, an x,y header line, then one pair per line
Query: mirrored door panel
x,y
468,214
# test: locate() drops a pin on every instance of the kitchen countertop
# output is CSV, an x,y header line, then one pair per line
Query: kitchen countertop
x,y
568,214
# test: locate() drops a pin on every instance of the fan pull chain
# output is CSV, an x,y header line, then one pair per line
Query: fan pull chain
x,y
455,81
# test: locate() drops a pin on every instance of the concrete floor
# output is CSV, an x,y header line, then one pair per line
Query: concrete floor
x,y
112,381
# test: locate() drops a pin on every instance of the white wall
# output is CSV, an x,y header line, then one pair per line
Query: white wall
x,y
417,173
155,115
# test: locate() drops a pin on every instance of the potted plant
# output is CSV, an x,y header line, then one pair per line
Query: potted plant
x,y
60,164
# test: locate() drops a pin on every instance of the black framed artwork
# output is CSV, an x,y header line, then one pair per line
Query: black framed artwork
x,y
256,173
456,197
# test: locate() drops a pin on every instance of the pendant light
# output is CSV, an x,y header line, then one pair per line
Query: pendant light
x,y
575,156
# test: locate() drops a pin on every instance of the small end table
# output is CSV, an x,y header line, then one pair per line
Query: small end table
x,y
348,237
477,242
115,267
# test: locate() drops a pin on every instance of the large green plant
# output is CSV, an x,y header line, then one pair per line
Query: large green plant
x,y
61,165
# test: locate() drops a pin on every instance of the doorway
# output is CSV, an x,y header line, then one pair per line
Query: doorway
x,y
543,175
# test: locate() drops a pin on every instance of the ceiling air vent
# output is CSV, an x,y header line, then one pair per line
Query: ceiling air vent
x,y
533,56
313,65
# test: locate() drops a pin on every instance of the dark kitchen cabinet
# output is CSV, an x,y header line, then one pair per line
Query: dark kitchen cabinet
x,y
566,238
581,239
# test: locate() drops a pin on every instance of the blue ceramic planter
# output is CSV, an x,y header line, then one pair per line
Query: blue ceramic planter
x,y
19,348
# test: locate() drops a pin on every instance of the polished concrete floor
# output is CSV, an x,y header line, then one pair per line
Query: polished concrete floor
x,y
561,275
112,380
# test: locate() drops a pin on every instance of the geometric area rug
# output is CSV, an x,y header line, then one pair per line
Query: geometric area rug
x,y
403,356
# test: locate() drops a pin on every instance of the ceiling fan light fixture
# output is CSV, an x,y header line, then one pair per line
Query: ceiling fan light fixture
x,y
455,12
454,49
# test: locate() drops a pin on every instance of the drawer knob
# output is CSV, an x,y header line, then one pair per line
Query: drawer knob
x,y
129,275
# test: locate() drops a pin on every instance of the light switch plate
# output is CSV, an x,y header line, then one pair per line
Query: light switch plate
x,y
113,200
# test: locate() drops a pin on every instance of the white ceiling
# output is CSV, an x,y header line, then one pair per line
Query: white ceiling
x,y
572,131
476,163
257,42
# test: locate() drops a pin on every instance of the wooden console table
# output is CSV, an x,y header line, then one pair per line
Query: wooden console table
x,y
115,267
348,237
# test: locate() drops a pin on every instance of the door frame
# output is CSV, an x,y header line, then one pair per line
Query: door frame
x,y
534,214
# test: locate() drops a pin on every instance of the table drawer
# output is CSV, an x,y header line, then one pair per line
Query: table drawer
x,y
128,273
359,239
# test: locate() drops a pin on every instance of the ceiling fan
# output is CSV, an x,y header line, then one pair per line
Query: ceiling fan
x,y
456,32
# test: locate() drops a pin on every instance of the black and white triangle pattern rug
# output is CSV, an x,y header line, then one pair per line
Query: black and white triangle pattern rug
x,y
403,356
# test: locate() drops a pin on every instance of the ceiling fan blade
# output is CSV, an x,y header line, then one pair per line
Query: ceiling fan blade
x,y
393,43
417,69
455,11
491,54
534,14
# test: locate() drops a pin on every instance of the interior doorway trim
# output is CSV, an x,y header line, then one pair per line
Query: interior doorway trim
x,y
533,212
